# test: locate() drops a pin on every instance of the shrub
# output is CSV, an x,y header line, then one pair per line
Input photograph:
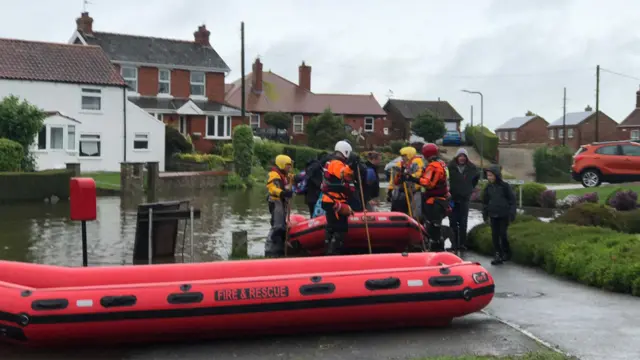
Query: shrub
x,y
548,199
490,145
21,121
242,150
590,214
175,142
531,193
214,162
593,256
11,154
624,200
631,220
266,152
552,164
592,197
227,150
37,185
607,200
396,145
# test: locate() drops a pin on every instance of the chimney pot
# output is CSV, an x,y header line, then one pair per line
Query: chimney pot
x,y
304,76
257,76
201,36
84,23
588,108
638,99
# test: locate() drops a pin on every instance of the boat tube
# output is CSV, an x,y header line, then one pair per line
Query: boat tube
x,y
47,306
389,232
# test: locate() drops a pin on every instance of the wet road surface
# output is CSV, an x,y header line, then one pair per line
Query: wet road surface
x,y
474,334
586,322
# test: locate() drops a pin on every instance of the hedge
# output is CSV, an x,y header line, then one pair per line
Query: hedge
x,y
473,135
552,164
593,256
242,140
39,185
211,162
531,193
599,215
266,151
11,154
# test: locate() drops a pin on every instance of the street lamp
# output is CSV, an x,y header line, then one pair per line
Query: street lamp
x,y
481,125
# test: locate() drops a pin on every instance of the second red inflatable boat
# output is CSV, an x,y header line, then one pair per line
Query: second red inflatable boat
x,y
50,305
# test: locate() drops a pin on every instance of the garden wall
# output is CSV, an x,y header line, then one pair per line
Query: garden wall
x,y
34,186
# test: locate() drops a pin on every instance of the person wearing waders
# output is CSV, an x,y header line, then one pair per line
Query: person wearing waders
x,y
411,167
436,195
279,183
499,208
463,178
336,189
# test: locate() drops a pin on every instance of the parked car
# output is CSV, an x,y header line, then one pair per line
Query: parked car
x,y
452,137
610,161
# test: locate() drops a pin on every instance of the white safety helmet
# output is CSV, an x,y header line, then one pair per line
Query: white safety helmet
x,y
343,148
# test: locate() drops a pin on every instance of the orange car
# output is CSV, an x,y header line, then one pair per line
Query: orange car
x,y
610,161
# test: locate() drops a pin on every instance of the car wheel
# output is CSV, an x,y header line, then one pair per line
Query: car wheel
x,y
591,178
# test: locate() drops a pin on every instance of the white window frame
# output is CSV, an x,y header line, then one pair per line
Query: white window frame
x,y
226,131
570,133
203,84
182,124
90,93
50,142
635,132
72,144
164,82
300,119
134,79
373,123
140,136
66,144
253,117
513,136
560,134
98,140
159,116
552,134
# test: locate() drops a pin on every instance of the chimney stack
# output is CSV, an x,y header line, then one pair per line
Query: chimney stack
x,y
304,76
638,99
201,36
588,108
84,23
257,76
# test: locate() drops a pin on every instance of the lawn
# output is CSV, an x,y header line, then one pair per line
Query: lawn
x,y
530,356
105,180
603,191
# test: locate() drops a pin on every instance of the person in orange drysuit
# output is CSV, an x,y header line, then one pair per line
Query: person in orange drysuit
x,y
435,194
336,189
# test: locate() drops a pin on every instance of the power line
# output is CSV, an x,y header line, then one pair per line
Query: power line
x,y
619,74
510,75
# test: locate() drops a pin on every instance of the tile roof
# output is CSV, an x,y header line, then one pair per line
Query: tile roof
x,y
515,123
633,119
151,50
175,104
410,109
280,94
42,61
572,119
58,113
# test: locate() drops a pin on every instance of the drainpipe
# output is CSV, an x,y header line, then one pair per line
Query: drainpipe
x,y
124,119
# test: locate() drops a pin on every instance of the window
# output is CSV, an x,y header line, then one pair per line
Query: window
x,y
218,126
630,150
71,137
57,138
385,131
513,136
182,124
570,133
130,76
197,83
42,138
254,121
560,133
551,134
608,150
91,99
159,117
298,124
368,124
635,135
140,141
89,145
164,81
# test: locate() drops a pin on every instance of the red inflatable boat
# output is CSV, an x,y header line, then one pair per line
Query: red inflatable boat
x,y
49,305
389,232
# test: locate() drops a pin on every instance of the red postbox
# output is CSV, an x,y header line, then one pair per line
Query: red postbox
x,y
82,198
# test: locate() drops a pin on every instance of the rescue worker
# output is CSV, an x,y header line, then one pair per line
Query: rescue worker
x,y
436,195
412,167
279,183
335,192
395,193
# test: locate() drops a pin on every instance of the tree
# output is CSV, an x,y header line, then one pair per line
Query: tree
x,y
242,141
530,113
324,130
21,121
278,120
428,126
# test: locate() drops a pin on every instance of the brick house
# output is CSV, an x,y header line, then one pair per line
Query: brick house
x,y
581,129
268,92
523,130
401,112
629,128
180,82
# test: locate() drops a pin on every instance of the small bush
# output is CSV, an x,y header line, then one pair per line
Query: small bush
x,y
214,162
175,142
11,154
531,193
624,200
242,150
266,152
592,197
227,150
590,214
552,164
631,220
548,199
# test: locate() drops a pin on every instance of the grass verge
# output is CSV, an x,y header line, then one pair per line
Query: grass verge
x,y
603,191
530,356
593,256
105,180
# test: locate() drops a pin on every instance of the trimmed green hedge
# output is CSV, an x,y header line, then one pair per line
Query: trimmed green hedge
x,y
25,186
473,134
599,215
266,152
594,256
11,155
208,162
552,164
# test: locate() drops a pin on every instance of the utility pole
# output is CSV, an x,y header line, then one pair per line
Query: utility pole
x,y
244,94
597,100
471,115
564,118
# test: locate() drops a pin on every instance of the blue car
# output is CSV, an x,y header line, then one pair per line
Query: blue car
x,y
452,138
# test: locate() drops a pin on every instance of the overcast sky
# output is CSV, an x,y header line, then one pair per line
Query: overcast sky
x,y
519,53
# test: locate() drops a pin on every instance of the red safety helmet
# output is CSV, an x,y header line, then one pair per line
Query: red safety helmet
x,y
430,150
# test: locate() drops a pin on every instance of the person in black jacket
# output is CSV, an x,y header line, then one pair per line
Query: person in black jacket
x,y
355,201
463,178
313,173
499,207
372,180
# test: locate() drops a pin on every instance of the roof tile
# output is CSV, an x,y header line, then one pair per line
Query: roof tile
x,y
410,109
515,123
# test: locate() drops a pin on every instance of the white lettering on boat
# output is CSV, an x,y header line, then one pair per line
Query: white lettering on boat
x,y
414,283
255,293
84,303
